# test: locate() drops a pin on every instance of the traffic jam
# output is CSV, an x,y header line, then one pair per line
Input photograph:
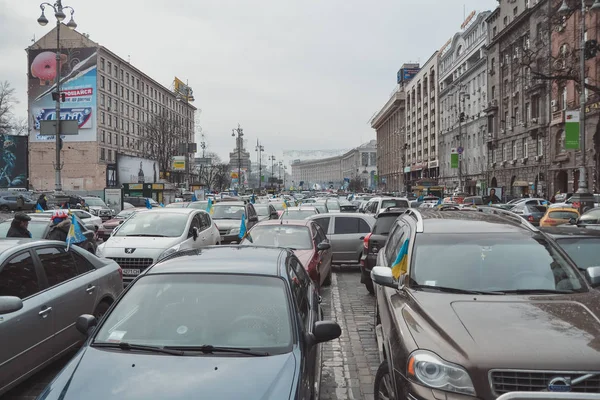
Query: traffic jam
x,y
475,298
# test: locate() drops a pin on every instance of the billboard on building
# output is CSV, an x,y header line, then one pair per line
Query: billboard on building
x,y
13,161
78,86
183,90
136,170
406,74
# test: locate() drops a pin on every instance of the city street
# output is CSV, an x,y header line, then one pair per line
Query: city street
x,y
349,363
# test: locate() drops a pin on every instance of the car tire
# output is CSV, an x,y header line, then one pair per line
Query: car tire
x,y
327,281
369,286
101,309
383,385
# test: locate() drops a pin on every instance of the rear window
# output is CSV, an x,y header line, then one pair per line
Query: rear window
x,y
384,224
394,203
584,251
562,215
541,209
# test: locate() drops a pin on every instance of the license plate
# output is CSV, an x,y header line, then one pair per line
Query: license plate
x,y
131,272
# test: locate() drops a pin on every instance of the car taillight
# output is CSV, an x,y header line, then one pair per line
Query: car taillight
x,y
366,241
530,218
550,221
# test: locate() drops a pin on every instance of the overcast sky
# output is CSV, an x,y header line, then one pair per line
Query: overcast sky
x,y
295,74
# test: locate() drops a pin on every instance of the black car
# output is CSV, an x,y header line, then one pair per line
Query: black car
x,y
581,244
225,323
374,241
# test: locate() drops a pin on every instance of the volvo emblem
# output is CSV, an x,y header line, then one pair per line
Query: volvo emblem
x,y
559,384
129,251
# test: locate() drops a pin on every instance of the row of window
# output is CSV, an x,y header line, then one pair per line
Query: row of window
x,y
506,153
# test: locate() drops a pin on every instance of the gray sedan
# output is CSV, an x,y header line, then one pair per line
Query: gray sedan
x,y
43,289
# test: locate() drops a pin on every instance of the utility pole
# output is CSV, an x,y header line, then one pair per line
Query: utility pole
x,y
259,150
240,134
272,159
461,118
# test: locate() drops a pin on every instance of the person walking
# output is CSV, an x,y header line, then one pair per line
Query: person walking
x,y
18,226
43,201
20,203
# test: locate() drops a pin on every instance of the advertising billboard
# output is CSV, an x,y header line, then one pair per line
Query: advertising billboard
x,y
178,163
183,90
13,161
78,86
406,74
136,170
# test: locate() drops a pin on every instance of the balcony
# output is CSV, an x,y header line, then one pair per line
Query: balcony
x,y
492,106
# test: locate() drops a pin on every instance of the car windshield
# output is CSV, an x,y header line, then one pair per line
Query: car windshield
x,y
157,224
92,201
179,310
491,262
198,205
383,224
37,228
321,207
125,214
536,209
333,205
262,210
563,214
278,206
227,211
297,214
582,250
294,237
393,203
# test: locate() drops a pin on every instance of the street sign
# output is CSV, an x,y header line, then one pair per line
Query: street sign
x,y
178,163
460,150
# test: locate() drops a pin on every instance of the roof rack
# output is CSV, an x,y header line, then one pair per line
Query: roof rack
x,y
508,214
417,215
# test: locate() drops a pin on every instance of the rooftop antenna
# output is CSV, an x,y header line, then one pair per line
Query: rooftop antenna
x,y
128,59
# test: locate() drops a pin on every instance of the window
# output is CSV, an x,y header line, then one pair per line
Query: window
x,y
121,75
323,223
109,86
503,151
101,63
540,145
514,149
103,136
18,277
109,120
102,117
515,11
524,147
347,225
58,265
102,82
102,155
517,115
560,142
127,78
102,99
527,115
83,265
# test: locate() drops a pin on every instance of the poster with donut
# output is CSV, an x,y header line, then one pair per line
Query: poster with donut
x,y
78,76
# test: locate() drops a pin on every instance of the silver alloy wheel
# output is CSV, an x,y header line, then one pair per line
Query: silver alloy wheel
x,y
386,388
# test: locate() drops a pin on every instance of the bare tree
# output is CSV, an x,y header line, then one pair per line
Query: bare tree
x,y
9,124
164,134
216,175
355,184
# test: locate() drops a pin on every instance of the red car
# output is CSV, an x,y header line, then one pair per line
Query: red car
x,y
305,238
108,226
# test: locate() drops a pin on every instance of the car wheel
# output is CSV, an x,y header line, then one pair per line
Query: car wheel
x,y
101,310
369,286
384,387
327,281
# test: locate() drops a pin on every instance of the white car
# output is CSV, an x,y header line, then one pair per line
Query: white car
x,y
91,221
149,236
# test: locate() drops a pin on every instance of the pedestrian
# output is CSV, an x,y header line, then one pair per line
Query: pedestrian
x,y
43,201
19,225
61,223
20,202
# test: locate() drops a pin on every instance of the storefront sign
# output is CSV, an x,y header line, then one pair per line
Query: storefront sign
x,y
572,130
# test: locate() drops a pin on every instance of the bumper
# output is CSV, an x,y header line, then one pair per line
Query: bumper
x,y
415,391
367,262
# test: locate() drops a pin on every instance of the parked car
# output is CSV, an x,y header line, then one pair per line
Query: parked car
x,y
306,239
228,217
299,212
475,285
198,205
149,236
589,218
346,233
580,244
210,326
473,200
279,206
558,216
107,227
265,212
40,226
43,289
141,201
178,204
376,204
10,203
374,241
531,212
98,207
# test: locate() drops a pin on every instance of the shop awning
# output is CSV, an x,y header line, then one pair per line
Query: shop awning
x,y
520,183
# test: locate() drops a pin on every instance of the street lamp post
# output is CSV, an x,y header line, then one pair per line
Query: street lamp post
x,y
279,176
259,149
272,159
59,14
240,134
186,98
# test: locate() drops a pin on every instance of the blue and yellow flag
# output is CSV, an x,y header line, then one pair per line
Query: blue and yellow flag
x,y
194,198
242,233
209,207
490,203
75,235
285,204
400,266
253,199
148,204
162,205
38,208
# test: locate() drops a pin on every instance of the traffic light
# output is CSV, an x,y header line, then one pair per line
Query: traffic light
x,y
591,49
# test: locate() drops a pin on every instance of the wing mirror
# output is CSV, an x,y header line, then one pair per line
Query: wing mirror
x,y
10,304
593,276
323,246
324,331
85,323
383,276
195,233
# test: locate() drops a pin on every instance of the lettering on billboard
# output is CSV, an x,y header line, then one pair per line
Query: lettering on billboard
x,y
78,73
13,161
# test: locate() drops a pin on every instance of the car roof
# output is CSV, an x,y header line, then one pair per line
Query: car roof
x,y
14,243
561,232
230,203
296,222
257,260
172,210
453,221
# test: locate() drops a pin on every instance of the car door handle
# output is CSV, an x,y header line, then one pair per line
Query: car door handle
x,y
45,311
90,289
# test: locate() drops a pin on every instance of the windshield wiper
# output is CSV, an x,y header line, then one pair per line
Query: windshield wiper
x,y
128,346
210,349
536,291
454,290
145,235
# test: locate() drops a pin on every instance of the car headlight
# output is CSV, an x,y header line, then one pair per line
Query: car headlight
x,y
430,370
100,250
93,212
168,252
234,231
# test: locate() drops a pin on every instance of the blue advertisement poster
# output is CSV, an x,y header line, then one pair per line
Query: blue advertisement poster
x,y
13,161
78,86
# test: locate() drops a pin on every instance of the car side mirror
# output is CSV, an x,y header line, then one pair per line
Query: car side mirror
x,y
10,304
323,246
195,233
85,323
572,221
592,274
383,276
324,331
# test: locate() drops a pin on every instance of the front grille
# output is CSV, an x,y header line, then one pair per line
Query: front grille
x,y
105,212
223,232
504,381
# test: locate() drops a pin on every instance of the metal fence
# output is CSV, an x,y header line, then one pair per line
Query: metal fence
x,y
548,396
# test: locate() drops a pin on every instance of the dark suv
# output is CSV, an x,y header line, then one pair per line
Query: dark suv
x,y
485,304
374,241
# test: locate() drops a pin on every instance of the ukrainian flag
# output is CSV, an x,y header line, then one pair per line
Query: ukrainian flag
x,y
38,208
75,235
148,204
209,207
400,266
285,204
243,227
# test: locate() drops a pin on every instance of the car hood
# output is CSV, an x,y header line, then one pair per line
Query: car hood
x,y
228,223
509,331
115,245
105,374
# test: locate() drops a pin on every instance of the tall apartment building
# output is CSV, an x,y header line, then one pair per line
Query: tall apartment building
x,y
519,105
389,124
463,97
115,104
422,108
